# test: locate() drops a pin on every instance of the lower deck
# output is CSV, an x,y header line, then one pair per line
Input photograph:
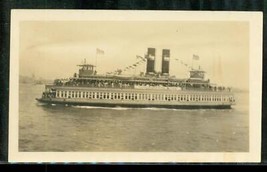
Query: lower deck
x,y
138,98
135,104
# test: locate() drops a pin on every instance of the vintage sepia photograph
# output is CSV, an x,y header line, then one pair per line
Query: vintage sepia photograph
x,y
121,86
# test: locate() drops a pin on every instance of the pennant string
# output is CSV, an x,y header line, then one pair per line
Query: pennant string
x,y
133,66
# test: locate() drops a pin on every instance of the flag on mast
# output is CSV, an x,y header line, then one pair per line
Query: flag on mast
x,y
99,51
195,57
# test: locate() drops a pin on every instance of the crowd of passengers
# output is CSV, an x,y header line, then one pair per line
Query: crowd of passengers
x,y
49,94
124,84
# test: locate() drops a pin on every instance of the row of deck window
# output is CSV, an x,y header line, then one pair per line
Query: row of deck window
x,y
140,96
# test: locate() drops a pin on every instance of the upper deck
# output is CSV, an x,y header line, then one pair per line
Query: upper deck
x,y
164,90
121,82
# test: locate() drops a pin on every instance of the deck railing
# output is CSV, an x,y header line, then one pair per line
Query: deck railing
x,y
165,87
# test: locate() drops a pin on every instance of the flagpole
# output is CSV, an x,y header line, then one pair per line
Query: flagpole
x,y
135,66
96,61
192,64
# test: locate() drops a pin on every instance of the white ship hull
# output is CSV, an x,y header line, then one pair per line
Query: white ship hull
x,y
84,96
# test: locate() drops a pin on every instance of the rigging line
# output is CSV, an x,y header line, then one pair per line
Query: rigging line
x,y
184,64
133,66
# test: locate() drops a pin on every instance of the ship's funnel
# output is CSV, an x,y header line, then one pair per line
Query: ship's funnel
x,y
165,62
151,55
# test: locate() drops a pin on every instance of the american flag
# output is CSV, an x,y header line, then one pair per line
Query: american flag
x,y
195,57
99,51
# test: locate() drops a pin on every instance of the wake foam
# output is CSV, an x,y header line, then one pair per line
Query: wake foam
x,y
139,108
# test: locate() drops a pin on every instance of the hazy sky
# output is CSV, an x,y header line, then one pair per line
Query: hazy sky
x,y
53,49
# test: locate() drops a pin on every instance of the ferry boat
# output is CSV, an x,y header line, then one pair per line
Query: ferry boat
x,y
152,89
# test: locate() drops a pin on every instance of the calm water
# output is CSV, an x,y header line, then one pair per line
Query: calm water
x,y
57,128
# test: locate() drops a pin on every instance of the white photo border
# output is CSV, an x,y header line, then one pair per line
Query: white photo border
x,y
255,88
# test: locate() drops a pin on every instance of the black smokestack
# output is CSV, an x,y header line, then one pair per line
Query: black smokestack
x,y
165,62
151,55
